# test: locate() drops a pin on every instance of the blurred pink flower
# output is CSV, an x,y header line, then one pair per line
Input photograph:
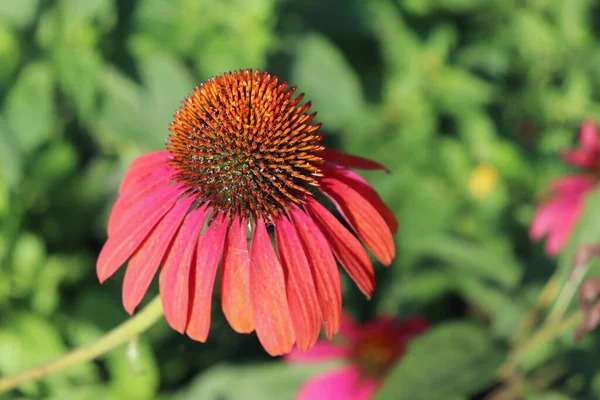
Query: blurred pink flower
x,y
370,351
556,217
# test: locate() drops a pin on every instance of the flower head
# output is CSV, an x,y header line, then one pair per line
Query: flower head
x,y
243,157
556,217
369,350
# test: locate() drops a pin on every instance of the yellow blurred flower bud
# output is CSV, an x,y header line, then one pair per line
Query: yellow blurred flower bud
x,y
482,181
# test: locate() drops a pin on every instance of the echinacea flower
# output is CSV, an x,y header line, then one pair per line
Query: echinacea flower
x,y
556,217
242,157
369,351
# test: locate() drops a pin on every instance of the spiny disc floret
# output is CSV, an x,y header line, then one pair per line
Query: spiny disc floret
x,y
240,142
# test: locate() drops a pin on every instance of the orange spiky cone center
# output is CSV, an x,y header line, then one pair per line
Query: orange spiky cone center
x,y
241,142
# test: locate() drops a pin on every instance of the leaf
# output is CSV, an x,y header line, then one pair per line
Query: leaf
x,y
30,110
134,371
11,161
119,117
167,82
10,53
18,13
450,361
476,260
265,381
321,71
78,69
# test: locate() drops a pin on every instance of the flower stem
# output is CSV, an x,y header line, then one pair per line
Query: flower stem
x,y
545,335
121,334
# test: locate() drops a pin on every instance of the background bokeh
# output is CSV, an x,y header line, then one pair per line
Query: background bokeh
x,y
467,102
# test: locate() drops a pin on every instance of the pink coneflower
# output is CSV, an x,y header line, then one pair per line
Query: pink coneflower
x,y
243,156
556,217
369,350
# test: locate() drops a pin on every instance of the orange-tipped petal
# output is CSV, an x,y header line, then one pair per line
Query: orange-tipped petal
x,y
364,188
301,293
366,221
208,254
126,202
345,246
141,167
271,313
235,278
351,161
145,261
324,270
174,280
140,221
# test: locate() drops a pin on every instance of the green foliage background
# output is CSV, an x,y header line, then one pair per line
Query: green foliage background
x,y
430,88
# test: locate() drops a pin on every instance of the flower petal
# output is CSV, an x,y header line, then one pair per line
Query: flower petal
x,y
324,270
140,221
588,136
301,293
208,254
126,201
235,279
358,183
322,351
366,221
351,161
271,313
174,280
572,185
141,166
543,220
340,384
145,261
566,218
345,246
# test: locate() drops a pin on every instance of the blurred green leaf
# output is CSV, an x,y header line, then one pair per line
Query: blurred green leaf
x,y
18,13
450,361
341,100
30,109
136,380
264,381
166,82
10,54
475,260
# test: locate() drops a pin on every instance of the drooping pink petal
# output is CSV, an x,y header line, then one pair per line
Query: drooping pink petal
x,y
543,220
174,280
208,254
588,136
364,188
341,384
271,312
141,166
345,246
324,270
572,185
565,220
366,221
235,279
135,228
301,293
351,161
145,261
322,351
156,179
579,158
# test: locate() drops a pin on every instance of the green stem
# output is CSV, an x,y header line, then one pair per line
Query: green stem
x,y
121,334
546,334
566,295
